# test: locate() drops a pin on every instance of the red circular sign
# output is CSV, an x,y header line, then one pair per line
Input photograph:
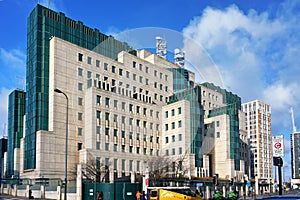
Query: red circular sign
x,y
277,145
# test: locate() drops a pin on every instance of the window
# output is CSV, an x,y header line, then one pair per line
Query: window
x,y
180,137
173,151
166,140
140,67
89,60
106,116
105,66
218,135
147,81
121,72
123,148
115,147
180,150
98,129
79,101
130,121
80,116
130,135
115,103
106,146
107,101
130,107
134,77
123,134
89,74
179,123
166,88
160,75
157,115
173,112
97,63
134,64
98,99
115,118
79,131
166,127
173,125
80,86
98,145
166,77
155,73
141,79
123,119
147,69
167,152
79,146
123,105
113,69
98,113
179,110
173,138
80,56
106,131
80,72
127,74
155,84
151,113
137,136
138,150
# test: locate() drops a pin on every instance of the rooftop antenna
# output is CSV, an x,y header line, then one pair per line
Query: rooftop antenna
x,y
179,57
161,47
293,121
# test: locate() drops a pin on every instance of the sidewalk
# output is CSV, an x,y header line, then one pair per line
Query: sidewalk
x,y
5,196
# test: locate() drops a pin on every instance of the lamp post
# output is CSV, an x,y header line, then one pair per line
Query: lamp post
x,y
66,154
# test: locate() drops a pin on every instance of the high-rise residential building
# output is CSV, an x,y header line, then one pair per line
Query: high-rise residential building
x,y
295,154
259,133
16,112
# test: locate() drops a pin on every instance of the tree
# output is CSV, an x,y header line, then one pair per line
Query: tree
x,y
168,167
94,170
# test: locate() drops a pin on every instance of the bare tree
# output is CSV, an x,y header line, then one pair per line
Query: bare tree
x,y
166,167
95,170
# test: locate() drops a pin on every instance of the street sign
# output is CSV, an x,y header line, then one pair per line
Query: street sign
x,y
278,148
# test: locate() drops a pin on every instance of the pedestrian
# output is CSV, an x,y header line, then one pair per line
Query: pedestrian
x,y
100,196
138,195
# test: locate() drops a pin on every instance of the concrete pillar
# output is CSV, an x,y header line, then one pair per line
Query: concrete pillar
x,y
15,191
42,191
59,193
224,191
27,190
2,188
256,186
9,189
79,182
207,192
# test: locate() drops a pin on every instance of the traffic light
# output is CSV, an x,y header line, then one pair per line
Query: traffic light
x,y
214,180
277,161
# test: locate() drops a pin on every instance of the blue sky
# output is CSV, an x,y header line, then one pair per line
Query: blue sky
x,y
253,45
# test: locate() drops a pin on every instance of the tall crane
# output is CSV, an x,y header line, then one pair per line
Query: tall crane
x,y
293,121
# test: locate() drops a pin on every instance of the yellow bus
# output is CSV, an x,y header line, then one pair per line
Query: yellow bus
x,y
165,193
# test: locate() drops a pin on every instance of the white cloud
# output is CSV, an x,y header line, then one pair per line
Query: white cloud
x,y
257,55
13,58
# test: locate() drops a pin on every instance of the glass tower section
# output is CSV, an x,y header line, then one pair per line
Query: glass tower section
x,y
43,24
181,79
193,95
232,106
16,112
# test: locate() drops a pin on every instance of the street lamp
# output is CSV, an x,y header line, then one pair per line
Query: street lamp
x,y
66,154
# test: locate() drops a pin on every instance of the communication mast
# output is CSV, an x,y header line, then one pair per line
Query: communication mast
x,y
293,121
179,57
161,47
